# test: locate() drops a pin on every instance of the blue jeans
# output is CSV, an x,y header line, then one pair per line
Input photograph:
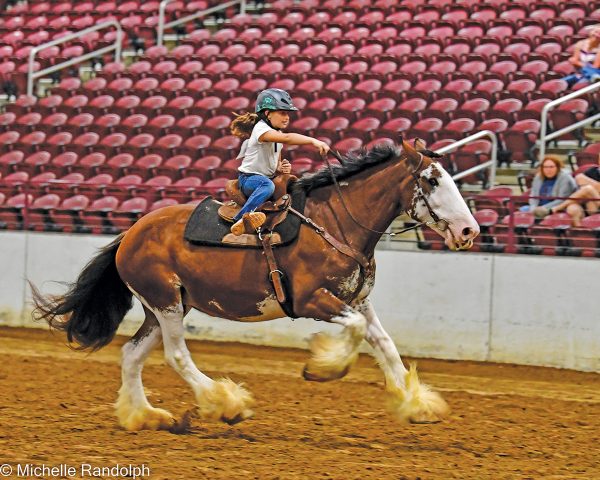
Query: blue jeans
x,y
587,73
257,188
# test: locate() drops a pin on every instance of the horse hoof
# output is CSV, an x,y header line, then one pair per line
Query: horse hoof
x,y
311,377
184,424
425,419
240,417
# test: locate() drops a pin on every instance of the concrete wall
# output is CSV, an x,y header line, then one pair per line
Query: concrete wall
x,y
505,308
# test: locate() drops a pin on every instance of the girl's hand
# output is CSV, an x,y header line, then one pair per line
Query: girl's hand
x,y
321,146
285,167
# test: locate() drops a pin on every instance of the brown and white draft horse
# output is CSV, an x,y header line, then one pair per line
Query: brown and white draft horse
x,y
171,276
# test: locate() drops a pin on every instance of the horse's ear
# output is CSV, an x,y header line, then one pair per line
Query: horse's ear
x,y
411,153
420,144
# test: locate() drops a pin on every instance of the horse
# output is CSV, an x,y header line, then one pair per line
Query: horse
x,y
352,203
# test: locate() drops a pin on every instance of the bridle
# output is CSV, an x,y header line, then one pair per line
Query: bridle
x,y
440,223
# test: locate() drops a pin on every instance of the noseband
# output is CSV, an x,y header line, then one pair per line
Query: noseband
x,y
441,224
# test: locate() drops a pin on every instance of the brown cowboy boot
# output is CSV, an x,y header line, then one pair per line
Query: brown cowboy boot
x,y
249,223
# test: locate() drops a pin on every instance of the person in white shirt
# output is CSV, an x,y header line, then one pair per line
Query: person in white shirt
x,y
262,152
586,59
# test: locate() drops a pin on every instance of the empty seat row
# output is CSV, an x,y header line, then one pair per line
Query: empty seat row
x,y
520,233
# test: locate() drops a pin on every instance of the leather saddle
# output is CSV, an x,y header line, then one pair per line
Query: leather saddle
x,y
275,209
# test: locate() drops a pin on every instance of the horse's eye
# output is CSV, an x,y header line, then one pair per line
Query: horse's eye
x,y
433,182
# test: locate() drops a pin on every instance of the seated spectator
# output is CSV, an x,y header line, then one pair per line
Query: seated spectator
x,y
586,199
586,59
551,180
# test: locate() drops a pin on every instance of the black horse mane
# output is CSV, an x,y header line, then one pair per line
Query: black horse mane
x,y
353,163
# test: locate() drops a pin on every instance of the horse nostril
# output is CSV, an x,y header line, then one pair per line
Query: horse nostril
x,y
467,231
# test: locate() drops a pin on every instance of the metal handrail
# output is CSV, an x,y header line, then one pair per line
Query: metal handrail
x,y
491,164
161,16
544,137
32,76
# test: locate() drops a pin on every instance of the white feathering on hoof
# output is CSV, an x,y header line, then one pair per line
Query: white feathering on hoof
x,y
417,403
331,355
143,417
225,400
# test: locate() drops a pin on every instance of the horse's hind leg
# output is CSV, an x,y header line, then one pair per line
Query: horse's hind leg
x,y
410,400
132,407
332,356
216,399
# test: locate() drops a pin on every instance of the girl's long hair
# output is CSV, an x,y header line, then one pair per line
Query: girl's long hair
x,y
242,125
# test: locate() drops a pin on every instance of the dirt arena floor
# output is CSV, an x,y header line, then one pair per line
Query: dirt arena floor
x,y
508,422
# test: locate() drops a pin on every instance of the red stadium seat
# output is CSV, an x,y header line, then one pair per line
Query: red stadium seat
x,y
506,109
381,108
456,89
67,216
128,212
126,105
520,139
441,109
145,87
588,155
194,146
426,129
567,114
35,163
350,108
7,119
8,140
425,88
411,109
10,161
496,125
471,155
174,167
139,145
159,125
475,108
365,128
488,89
458,128
533,109
133,124
395,128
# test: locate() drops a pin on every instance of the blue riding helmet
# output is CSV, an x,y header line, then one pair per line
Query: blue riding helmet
x,y
274,99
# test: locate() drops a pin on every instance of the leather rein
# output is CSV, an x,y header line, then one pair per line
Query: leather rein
x,y
440,223
346,249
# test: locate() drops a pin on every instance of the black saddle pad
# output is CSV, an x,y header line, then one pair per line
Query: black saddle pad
x,y
205,227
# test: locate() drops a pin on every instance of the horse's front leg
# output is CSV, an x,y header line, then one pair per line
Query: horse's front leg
x,y
332,356
410,400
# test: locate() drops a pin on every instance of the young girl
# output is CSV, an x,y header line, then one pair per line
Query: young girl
x,y
262,152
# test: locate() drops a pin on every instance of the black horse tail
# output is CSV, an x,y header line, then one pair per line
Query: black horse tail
x,y
93,307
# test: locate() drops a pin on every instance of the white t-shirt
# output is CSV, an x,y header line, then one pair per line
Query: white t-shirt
x,y
260,157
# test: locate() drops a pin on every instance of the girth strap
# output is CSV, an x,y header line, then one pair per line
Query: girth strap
x,y
344,248
275,275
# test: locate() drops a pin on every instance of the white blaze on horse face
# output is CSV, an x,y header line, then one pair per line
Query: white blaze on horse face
x,y
448,204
